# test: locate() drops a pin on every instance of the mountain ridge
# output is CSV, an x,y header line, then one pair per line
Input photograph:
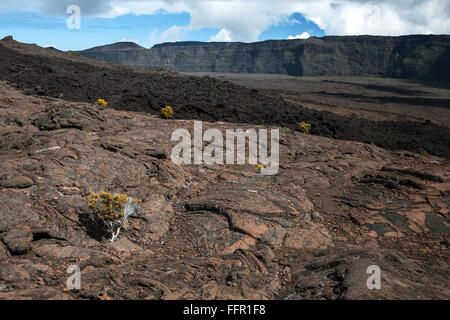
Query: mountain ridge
x,y
409,57
122,45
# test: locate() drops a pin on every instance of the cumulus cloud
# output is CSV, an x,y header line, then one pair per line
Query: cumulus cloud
x,y
222,36
173,34
304,35
153,39
246,20
383,17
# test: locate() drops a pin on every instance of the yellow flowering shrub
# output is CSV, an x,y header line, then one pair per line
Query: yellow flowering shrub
x,y
304,126
107,206
167,112
260,166
101,102
113,210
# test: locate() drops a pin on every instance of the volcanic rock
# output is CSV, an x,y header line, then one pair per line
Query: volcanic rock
x,y
18,240
218,231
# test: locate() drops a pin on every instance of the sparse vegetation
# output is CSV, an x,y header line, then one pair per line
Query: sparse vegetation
x,y
101,102
304,127
113,210
167,112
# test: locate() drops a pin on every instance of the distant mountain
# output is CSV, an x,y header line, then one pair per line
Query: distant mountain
x,y
415,56
52,48
192,43
123,45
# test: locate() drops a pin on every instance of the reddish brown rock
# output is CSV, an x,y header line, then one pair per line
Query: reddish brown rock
x,y
20,182
306,239
18,240
211,232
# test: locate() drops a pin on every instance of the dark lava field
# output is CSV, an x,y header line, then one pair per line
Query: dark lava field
x,y
45,72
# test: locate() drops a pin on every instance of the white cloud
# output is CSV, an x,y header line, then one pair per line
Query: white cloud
x,y
222,36
49,46
294,21
381,17
173,34
153,39
245,20
304,35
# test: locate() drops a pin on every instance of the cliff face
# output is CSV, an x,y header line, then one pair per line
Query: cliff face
x,y
418,56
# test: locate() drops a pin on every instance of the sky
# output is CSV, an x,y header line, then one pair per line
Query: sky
x,y
82,24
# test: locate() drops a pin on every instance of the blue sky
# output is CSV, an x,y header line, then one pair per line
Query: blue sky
x,y
146,30
149,22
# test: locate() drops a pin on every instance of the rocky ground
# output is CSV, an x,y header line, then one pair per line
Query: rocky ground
x,y
369,98
45,72
211,232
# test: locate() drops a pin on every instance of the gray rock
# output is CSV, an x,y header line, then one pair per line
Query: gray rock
x,y
380,228
18,240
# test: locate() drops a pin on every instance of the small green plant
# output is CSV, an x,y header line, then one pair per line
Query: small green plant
x,y
304,127
101,102
167,112
113,210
